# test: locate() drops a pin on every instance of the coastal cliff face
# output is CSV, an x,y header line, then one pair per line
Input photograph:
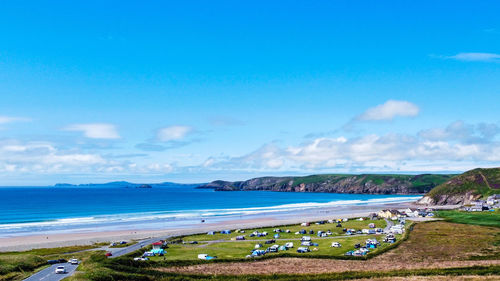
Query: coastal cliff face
x,y
465,188
360,184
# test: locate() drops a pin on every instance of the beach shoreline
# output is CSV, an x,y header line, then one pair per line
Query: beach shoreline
x,y
24,243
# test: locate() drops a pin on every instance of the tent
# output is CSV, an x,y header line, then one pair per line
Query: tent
x,y
205,257
158,251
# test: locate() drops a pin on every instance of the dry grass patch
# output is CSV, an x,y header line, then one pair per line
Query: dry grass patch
x,y
436,278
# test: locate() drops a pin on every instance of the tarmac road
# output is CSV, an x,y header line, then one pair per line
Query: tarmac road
x,y
49,274
389,225
116,252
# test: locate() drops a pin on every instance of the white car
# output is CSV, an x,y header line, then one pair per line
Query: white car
x,y
141,259
73,261
60,270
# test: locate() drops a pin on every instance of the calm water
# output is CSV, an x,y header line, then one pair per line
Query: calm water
x,y
36,210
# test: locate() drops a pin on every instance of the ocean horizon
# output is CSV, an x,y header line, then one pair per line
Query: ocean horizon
x,y
49,210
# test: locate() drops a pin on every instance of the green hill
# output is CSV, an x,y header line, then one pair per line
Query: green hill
x,y
469,186
338,183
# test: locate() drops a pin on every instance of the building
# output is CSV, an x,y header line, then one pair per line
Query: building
x,y
390,214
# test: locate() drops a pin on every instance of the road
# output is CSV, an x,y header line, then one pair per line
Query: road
x,y
116,252
49,273
389,225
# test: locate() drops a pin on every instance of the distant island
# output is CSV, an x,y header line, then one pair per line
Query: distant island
x,y
125,184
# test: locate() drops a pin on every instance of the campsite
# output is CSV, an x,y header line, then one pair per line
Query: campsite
x,y
227,247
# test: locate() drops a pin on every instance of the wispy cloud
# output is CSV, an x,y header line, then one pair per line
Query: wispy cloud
x,y
95,130
389,110
484,57
173,133
170,138
9,119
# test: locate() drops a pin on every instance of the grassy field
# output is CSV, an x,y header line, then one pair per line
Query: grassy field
x,y
430,245
223,247
477,218
434,250
238,250
293,228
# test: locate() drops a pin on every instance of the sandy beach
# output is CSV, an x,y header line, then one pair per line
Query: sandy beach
x,y
23,243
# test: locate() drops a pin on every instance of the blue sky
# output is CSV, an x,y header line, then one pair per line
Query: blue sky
x,y
194,91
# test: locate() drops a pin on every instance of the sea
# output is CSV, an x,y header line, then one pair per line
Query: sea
x,y
46,210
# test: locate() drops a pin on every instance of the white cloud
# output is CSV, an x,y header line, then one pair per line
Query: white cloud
x,y
389,110
43,158
95,130
457,145
485,57
7,119
173,133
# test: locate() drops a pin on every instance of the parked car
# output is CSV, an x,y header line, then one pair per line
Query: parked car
x,y
272,241
141,259
60,270
108,254
73,261
273,249
306,243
